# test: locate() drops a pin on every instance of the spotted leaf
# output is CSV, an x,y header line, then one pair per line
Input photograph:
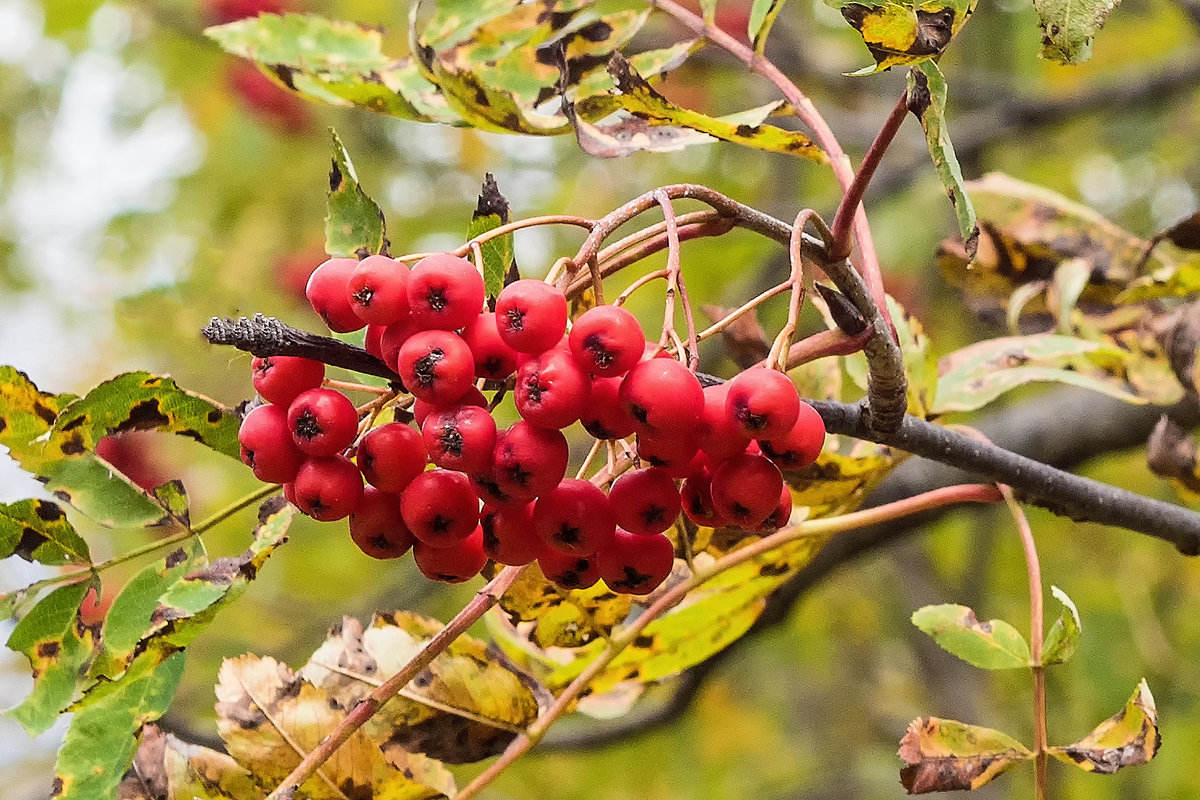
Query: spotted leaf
x,y
942,755
354,224
899,33
38,530
1126,739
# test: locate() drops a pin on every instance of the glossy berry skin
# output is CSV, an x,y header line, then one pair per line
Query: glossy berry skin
x,y
763,402
436,366
607,341
322,421
328,488
569,571
781,516
455,563
373,340
326,292
421,409
445,292
603,416
663,397
697,502
529,461
801,445
508,536
720,435
551,389
461,437
531,316
392,338
678,456
636,564
574,517
377,527
390,456
378,290
494,359
278,379
440,507
745,489
267,446
645,501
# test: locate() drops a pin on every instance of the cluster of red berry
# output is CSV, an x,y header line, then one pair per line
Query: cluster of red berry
x,y
726,442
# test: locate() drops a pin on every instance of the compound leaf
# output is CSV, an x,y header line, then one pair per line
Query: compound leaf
x,y
1126,739
354,224
1062,640
1070,26
38,530
988,645
927,100
942,755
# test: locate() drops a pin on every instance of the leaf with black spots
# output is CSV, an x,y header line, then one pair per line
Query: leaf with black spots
x,y
988,645
26,414
58,646
562,618
466,706
1070,26
943,755
270,718
1126,739
167,768
927,101
354,224
172,496
491,212
844,473
763,14
38,530
899,33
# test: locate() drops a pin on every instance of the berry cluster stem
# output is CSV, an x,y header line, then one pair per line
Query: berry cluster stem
x,y
487,597
676,285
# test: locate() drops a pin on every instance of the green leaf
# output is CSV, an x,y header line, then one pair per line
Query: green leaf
x,y
762,18
186,772
57,645
26,414
1126,739
904,32
129,618
491,212
988,645
38,530
974,376
172,496
454,20
1070,279
1069,26
927,100
466,706
354,224
1062,640
942,755
103,737
270,718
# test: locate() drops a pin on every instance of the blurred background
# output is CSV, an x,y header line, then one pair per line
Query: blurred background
x,y
148,182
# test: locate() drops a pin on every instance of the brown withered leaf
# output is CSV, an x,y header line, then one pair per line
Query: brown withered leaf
x,y
167,768
744,338
1184,234
1179,334
467,706
942,755
1126,739
1171,453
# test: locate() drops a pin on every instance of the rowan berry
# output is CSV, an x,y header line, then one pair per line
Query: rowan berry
x,y
607,341
663,397
454,563
377,527
445,292
531,315
328,488
697,501
390,456
678,455
462,437
392,338
436,366
494,359
529,461
508,535
551,389
267,446
645,501
326,292
603,416
568,571
322,421
745,489
421,409
801,445
720,435
278,379
635,564
440,507
574,517
378,290
763,402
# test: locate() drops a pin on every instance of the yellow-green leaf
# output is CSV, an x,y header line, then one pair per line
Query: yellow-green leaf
x,y
1070,26
166,768
491,212
1126,739
354,224
38,530
1062,640
942,755
988,645
927,100
563,618
904,32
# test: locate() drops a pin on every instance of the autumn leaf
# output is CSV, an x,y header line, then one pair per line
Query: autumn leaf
x,y
988,645
354,224
167,768
1126,739
1062,640
563,618
1070,26
491,211
904,32
942,755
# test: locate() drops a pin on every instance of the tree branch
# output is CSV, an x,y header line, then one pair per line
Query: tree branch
x,y
267,336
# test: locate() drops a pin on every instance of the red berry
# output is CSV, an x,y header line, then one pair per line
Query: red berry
x,y
745,489
782,514
529,461
494,359
373,341
508,535
267,446
378,290
376,526
393,338
322,421
663,397
574,517
551,390
677,455
531,316
603,416
462,438
635,564
221,11
445,292
454,563
436,366
720,435
696,497
607,341
440,507
328,488
390,456
422,409
568,570
801,445
762,402
278,379
326,292
645,501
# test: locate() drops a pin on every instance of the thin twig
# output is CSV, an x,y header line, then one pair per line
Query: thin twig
x,y
676,286
745,308
777,358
